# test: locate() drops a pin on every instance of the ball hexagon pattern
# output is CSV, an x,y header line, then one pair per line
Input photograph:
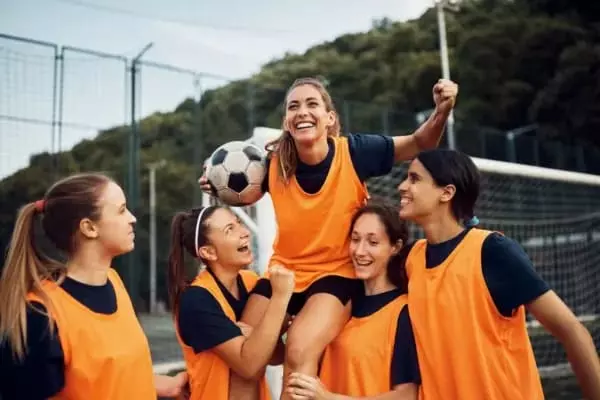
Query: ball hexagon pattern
x,y
236,171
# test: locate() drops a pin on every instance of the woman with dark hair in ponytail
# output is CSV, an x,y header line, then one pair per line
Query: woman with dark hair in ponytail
x,y
68,330
316,180
207,308
374,357
469,290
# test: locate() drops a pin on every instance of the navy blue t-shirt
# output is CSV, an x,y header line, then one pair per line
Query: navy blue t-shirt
x,y
41,373
405,364
202,322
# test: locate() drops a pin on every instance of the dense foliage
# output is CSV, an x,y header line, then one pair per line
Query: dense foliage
x,y
518,62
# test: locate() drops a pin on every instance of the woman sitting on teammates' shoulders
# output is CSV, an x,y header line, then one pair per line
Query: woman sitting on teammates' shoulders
x,y
316,181
375,354
70,331
206,310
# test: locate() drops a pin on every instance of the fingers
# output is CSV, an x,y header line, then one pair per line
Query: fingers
x,y
445,88
302,380
204,184
302,386
300,394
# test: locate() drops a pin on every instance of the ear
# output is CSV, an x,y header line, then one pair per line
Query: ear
x,y
208,253
331,118
397,247
286,124
88,228
448,193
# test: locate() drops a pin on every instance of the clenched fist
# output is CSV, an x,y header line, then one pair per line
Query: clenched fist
x,y
282,281
444,95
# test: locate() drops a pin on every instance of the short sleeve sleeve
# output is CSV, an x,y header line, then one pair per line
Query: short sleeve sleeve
x,y
509,274
372,155
201,321
405,364
43,362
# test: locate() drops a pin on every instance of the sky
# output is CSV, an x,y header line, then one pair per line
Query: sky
x,y
229,39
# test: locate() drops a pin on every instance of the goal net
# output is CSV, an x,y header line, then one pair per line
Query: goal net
x,y
555,216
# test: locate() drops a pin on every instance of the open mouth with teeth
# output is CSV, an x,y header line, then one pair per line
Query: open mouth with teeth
x,y
304,125
243,249
362,263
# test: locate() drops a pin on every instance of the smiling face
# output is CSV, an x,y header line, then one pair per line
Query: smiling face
x,y
309,115
420,196
229,241
371,247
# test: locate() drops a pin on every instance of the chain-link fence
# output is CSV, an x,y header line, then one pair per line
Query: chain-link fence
x,y
66,109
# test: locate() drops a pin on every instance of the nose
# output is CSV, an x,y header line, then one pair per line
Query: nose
x,y
132,219
244,232
403,187
302,110
359,248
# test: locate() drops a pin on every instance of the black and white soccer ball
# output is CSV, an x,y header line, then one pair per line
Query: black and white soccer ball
x,y
235,172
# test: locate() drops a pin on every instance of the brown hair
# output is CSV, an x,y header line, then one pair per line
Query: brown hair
x,y
65,204
183,236
395,229
284,145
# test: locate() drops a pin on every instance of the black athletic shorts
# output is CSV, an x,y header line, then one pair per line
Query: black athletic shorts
x,y
342,288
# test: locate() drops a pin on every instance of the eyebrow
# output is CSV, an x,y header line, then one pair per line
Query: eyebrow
x,y
307,99
365,234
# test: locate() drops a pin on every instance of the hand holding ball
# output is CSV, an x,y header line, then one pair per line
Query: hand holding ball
x,y
235,173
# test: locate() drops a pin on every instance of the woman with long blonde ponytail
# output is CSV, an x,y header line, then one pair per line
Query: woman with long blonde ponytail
x,y
68,329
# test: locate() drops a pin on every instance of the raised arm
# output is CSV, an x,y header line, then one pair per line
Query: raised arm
x,y
204,326
428,135
247,357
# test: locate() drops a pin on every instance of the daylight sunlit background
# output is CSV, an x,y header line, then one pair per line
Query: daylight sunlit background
x,y
150,88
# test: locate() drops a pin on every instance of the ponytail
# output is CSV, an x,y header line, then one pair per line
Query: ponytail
x,y
185,238
23,273
176,267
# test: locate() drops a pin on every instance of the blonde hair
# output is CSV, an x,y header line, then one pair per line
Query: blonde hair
x,y
284,145
26,268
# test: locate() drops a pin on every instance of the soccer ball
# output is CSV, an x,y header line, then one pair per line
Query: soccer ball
x,y
235,172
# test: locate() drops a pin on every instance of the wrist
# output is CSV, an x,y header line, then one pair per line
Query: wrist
x,y
279,298
441,115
